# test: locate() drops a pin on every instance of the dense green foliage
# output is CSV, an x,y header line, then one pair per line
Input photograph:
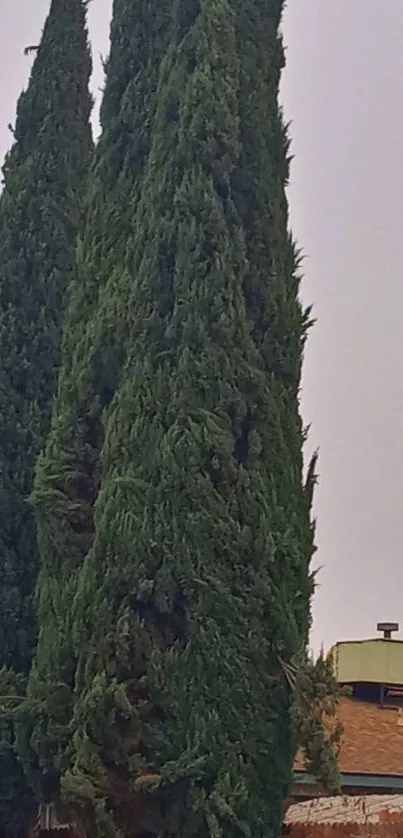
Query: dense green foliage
x,y
317,731
39,218
174,523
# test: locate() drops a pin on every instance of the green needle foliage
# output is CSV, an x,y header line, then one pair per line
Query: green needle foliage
x,y
39,218
68,475
174,522
317,731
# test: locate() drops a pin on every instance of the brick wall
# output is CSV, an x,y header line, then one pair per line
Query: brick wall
x,y
325,830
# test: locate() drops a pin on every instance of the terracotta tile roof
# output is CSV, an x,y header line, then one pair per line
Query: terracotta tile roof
x,y
374,808
372,741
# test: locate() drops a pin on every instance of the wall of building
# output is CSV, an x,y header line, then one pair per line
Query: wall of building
x,y
346,817
340,830
377,661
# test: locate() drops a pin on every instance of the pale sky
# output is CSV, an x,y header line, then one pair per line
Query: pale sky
x,y
342,93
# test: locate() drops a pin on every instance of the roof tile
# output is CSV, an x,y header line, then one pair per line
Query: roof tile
x,y
372,741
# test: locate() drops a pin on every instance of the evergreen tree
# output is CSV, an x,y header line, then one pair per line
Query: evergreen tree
x,y
39,217
278,321
317,731
174,522
94,346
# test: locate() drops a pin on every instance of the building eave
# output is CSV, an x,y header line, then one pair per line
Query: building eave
x,y
352,780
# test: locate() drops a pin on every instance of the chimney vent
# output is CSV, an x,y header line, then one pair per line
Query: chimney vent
x,y
387,629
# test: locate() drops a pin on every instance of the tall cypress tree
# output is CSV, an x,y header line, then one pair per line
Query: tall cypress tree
x,y
93,350
94,347
171,491
279,323
39,217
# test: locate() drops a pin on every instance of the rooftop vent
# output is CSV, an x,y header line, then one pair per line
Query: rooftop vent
x,y
387,629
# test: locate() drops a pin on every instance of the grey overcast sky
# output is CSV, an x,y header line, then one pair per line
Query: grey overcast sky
x,y
342,93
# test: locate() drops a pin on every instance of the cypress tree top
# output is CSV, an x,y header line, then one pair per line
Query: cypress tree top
x,y
40,208
171,490
39,216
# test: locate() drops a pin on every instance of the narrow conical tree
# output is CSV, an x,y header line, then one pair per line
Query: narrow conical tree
x,y
93,350
279,323
171,491
39,217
